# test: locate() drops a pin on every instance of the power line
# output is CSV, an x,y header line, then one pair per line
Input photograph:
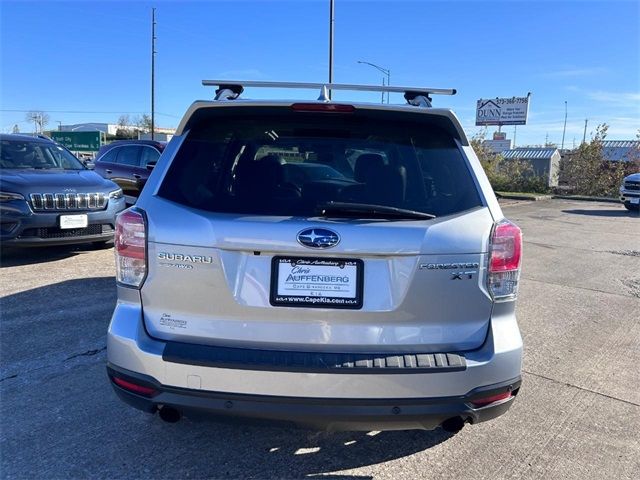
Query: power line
x,y
90,111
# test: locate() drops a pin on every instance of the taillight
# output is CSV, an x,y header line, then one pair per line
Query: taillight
x,y
323,107
131,248
504,261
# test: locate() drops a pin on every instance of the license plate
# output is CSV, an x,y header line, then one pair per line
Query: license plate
x,y
317,282
73,221
635,200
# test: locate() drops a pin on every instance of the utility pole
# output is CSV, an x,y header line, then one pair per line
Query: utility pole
x,y
515,130
564,130
584,137
331,21
59,125
153,72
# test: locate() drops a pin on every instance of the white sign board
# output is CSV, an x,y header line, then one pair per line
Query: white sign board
x,y
497,146
502,111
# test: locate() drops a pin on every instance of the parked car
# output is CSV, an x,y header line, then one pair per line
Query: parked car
x,y
336,265
128,163
630,192
48,197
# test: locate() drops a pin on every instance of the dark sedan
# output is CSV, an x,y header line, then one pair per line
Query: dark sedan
x,y
128,163
48,197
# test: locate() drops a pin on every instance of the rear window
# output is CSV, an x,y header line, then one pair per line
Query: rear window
x,y
288,163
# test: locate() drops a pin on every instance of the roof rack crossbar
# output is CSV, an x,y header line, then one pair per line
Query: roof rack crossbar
x,y
419,96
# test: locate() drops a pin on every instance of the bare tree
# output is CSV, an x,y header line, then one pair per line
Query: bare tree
x,y
124,121
124,129
40,120
144,123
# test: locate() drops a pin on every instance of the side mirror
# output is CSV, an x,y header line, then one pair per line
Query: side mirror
x,y
89,164
150,165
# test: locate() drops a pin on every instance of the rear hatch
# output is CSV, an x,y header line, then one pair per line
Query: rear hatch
x,y
359,230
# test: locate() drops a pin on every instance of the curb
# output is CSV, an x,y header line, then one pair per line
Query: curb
x,y
515,196
587,199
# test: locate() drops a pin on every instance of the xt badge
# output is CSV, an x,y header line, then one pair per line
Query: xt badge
x,y
462,275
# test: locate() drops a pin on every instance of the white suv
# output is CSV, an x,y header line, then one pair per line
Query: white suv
x,y
630,192
336,265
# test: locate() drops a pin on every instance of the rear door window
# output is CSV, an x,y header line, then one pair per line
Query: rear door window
x,y
148,155
128,155
110,156
294,163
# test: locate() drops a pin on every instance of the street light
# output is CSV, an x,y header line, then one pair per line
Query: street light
x,y
386,71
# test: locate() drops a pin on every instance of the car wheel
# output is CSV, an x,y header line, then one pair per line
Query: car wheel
x,y
632,208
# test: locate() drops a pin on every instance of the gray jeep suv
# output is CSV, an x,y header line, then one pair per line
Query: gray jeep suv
x,y
335,265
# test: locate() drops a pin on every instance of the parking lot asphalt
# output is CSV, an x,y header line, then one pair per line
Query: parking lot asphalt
x,y
577,415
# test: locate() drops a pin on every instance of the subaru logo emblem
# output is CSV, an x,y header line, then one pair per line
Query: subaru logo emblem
x,y
318,238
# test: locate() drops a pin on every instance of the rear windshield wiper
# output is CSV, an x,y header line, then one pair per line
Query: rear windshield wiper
x,y
366,210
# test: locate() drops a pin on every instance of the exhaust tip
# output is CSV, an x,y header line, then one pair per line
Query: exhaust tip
x,y
453,424
169,414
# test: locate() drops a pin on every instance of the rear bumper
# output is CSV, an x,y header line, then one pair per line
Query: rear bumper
x,y
362,399
317,413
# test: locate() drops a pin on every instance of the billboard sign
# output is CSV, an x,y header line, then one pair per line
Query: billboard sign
x,y
79,141
502,111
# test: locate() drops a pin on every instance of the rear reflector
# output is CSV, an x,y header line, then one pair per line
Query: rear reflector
x,y
323,107
504,262
131,248
135,388
481,402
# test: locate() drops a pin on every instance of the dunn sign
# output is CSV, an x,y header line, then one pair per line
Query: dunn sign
x,y
502,111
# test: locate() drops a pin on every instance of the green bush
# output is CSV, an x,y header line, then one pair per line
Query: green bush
x,y
586,172
508,175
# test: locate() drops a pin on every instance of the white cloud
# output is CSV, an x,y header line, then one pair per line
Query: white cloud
x,y
575,72
617,98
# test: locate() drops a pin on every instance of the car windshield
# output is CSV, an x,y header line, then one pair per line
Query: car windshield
x,y
295,163
30,155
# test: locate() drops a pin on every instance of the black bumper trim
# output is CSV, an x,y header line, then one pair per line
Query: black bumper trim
x,y
311,362
318,413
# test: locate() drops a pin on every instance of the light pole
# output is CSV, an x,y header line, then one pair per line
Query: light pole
x,y
385,71
153,72
331,21
564,129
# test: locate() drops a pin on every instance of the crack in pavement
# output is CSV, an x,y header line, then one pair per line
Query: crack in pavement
x,y
581,388
628,253
530,279
25,369
88,353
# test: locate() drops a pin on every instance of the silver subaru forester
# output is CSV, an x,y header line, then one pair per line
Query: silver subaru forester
x,y
335,265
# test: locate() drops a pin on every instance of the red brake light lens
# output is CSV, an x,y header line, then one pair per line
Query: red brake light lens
x,y
323,107
481,402
134,387
505,254
506,247
131,248
130,238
